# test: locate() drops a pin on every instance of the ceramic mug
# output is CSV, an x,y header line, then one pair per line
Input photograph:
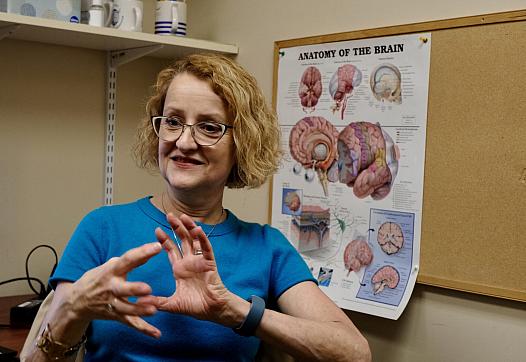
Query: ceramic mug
x,y
85,12
127,15
170,17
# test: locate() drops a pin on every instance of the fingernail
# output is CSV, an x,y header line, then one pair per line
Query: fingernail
x,y
156,246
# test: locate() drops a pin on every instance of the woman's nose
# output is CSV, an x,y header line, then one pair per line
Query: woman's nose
x,y
186,140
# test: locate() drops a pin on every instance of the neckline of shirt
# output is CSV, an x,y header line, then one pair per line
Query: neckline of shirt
x,y
228,225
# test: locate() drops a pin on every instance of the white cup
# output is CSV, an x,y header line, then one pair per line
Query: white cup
x,y
85,12
127,15
170,17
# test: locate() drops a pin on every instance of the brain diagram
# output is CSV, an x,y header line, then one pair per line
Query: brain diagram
x,y
386,276
310,88
386,83
293,201
342,83
356,255
312,143
363,160
390,237
362,155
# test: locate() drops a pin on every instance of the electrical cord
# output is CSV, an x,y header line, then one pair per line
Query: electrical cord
x,y
43,291
42,287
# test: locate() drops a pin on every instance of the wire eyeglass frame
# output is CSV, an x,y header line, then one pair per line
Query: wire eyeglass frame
x,y
157,122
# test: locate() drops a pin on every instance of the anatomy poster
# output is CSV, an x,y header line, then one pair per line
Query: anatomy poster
x,y
348,194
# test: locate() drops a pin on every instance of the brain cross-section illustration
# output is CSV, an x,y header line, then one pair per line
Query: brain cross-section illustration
x,y
310,88
390,237
386,83
311,229
312,143
367,160
386,276
341,85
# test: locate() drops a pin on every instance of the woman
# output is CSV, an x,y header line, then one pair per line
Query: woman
x,y
208,128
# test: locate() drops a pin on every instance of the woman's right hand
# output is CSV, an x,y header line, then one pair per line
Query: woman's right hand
x,y
102,292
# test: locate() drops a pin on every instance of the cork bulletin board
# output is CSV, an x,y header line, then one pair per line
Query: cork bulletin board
x,y
474,210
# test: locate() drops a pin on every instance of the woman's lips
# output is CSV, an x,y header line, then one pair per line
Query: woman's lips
x,y
186,161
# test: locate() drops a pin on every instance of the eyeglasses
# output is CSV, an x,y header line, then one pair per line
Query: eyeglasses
x,y
204,133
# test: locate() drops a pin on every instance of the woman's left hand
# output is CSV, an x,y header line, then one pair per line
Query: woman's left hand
x,y
199,290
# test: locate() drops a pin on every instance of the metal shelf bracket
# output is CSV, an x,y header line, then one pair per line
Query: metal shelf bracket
x,y
114,59
120,57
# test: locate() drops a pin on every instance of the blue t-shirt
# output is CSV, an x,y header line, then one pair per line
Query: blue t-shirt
x,y
251,259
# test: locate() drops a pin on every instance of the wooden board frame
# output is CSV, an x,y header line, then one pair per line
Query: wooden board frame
x,y
504,214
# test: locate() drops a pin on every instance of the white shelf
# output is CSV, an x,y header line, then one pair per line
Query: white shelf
x,y
90,37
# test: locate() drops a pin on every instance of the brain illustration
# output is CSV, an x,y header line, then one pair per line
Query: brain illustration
x,y
356,255
386,276
390,237
312,143
386,83
310,88
367,160
293,201
341,85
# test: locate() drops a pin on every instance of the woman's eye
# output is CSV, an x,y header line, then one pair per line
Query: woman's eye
x,y
209,128
173,122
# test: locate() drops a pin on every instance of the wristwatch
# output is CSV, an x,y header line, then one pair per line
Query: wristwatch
x,y
252,320
56,350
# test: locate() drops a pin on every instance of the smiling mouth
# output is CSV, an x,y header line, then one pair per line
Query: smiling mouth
x,y
181,159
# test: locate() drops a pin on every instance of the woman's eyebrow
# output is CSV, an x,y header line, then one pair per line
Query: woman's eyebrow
x,y
215,115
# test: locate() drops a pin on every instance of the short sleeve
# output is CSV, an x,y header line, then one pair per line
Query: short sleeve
x,y
86,249
288,267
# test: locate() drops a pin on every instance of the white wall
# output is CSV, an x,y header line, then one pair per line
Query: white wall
x,y
52,103
50,165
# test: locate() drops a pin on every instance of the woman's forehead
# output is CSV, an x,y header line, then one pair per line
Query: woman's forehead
x,y
188,91
189,84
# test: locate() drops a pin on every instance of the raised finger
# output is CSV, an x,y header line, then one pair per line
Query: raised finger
x,y
129,289
188,222
125,307
171,249
136,257
141,325
196,232
204,242
182,233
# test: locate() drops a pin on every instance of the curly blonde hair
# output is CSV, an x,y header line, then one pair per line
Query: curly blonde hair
x,y
256,130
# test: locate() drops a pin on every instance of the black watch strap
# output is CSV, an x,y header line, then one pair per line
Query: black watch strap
x,y
253,318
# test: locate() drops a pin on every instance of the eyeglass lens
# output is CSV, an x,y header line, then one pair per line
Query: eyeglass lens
x,y
205,133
